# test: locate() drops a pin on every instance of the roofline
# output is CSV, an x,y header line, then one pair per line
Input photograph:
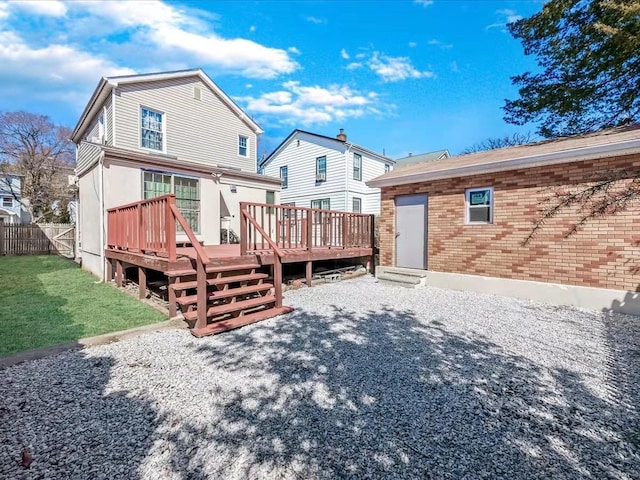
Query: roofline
x,y
169,162
349,144
107,84
627,147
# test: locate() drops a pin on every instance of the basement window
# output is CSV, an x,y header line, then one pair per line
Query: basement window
x,y
479,205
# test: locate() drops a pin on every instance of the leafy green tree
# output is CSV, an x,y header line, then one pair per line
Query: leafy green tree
x,y
589,54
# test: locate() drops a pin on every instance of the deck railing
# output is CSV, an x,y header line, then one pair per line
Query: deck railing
x,y
300,228
149,227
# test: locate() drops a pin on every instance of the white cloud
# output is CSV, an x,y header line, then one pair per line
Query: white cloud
x,y
316,20
507,16
252,28
454,66
293,50
179,33
424,3
412,44
438,43
58,72
361,55
393,69
49,8
344,54
354,66
296,104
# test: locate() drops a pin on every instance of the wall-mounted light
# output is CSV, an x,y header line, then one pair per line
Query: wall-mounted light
x,y
233,188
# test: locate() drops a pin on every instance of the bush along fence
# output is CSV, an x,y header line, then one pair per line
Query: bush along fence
x,y
37,239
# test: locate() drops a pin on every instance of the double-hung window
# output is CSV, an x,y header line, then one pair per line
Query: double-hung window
x,y
243,146
7,202
356,205
321,169
357,166
284,176
479,205
387,167
186,190
324,204
152,129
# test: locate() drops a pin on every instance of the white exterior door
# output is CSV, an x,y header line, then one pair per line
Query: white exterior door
x,y
411,231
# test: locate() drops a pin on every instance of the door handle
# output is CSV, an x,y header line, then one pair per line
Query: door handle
x,y
397,234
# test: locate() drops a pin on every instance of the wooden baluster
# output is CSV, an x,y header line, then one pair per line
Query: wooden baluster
x,y
277,278
201,276
170,223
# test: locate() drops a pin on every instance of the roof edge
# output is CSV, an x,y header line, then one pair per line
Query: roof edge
x,y
627,147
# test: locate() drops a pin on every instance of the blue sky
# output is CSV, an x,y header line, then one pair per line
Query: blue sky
x,y
399,76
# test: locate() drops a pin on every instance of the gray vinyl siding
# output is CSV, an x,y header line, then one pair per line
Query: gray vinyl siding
x,y
202,131
301,162
108,121
88,154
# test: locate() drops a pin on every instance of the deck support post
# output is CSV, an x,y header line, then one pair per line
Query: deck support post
x,y
309,272
119,273
277,278
173,311
142,282
201,276
109,270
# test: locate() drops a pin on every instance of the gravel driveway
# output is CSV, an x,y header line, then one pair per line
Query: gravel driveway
x,y
363,380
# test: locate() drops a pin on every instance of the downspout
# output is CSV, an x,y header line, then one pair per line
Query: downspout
x,y
78,255
346,178
103,230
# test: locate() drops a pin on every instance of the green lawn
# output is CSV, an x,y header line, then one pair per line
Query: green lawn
x,y
48,300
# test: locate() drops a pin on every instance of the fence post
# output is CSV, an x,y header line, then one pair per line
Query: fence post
x,y
345,230
309,229
1,236
170,224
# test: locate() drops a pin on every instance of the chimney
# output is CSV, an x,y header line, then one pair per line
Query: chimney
x,y
342,136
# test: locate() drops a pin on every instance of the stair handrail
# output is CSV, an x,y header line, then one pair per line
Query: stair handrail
x,y
190,235
277,261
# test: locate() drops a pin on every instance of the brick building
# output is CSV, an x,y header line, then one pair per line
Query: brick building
x,y
467,222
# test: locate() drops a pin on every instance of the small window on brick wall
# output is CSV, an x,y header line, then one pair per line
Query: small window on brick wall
x,y
479,205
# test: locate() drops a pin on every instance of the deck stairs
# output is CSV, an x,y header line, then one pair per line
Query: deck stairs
x,y
237,295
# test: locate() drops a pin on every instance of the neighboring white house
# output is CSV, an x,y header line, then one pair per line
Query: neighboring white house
x,y
325,172
141,136
11,209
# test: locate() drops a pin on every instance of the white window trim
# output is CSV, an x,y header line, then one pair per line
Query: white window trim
x,y
354,199
284,185
3,200
353,167
248,146
467,195
164,129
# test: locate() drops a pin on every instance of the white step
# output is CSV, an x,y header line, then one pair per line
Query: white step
x,y
404,276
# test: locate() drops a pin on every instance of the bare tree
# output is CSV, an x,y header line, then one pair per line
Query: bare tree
x,y
34,147
500,142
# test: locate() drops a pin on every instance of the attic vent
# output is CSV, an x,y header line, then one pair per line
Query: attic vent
x,y
196,93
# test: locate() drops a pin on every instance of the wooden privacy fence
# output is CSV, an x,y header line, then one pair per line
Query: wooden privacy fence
x,y
37,239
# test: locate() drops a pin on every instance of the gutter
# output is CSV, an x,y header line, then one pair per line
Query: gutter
x,y
627,147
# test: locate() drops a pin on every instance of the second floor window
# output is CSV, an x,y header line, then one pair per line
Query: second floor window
x,y
284,175
321,169
7,202
357,166
152,129
387,167
243,146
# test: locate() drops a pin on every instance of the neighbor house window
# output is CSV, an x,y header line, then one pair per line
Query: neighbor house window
x,y
479,205
186,190
271,200
356,205
387,167
321,169
284,176
152,129
243,146
7,202
357,166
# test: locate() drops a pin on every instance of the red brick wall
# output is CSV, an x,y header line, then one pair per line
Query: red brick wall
x,y
604,253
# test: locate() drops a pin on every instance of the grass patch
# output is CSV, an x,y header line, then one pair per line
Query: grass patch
x,y
48,300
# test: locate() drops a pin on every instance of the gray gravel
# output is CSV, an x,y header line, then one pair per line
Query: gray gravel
x,y
363,380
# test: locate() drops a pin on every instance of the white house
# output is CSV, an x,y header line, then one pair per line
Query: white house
x,y
141,136
11,209
325,172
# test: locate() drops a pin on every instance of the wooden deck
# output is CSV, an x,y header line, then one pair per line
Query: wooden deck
x,y
219,287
